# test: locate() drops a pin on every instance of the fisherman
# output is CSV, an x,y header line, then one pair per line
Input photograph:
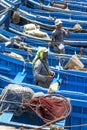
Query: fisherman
x,y
42,74
57,42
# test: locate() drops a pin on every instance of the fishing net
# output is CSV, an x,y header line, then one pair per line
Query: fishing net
x,y
50,107
12,96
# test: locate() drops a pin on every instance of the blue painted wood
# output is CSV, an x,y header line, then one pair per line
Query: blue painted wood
x,y
19,77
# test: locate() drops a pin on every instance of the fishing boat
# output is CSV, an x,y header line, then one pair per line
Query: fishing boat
x,y
48,21
4,17
25,13
75,38
59,15
20,115
13,3
36,5
69,5
15,66
44,36
67,1
78,100
20,77
28,52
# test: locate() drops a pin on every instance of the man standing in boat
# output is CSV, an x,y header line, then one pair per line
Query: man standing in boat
x,y
58,37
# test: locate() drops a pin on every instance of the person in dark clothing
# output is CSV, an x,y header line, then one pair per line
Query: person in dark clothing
x,y
58,37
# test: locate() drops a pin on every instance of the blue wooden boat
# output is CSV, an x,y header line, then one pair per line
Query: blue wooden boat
x,y
21,77
75,102
15,68
74,37
36,43
20,30
28,52
53,14
29,43
19,118
78,100
17,29
71,6
77,7
79,2
59,15
37,5
44,22
13,3
4,17
47,22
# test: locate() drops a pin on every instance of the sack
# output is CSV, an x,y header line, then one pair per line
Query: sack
x,y
74,63
77,28
16,17
37,33
16,56
29,27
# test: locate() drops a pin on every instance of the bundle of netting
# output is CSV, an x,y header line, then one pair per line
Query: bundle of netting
x,y
12,97
50,107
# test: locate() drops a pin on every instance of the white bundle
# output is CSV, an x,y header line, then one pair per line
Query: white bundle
x,y
17,56
37,33
28,27
18,88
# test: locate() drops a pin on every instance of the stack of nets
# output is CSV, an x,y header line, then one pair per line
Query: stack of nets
x,y
12,96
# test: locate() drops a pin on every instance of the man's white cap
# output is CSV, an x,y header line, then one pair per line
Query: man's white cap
x,y
57,22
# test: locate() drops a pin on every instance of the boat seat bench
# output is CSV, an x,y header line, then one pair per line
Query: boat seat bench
x,y
5,69
6,118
